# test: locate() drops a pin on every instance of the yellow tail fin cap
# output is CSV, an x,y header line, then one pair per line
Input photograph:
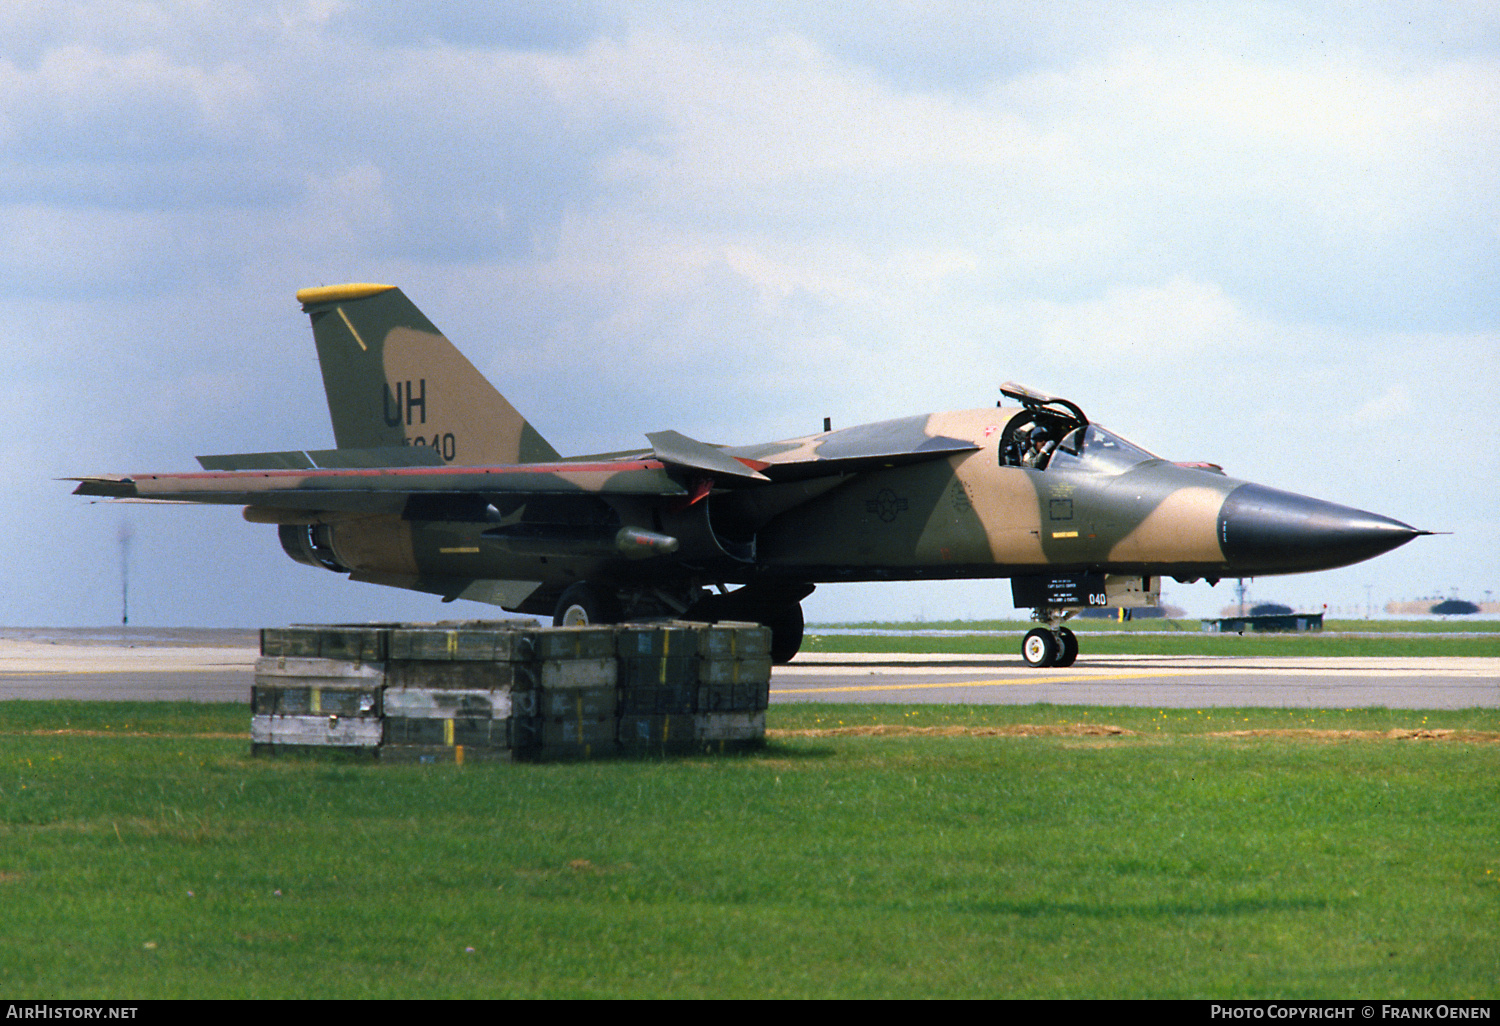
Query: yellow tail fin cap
x,y
339,293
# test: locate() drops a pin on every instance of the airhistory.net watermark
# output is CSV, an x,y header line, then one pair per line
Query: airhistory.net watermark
x,y
40,1010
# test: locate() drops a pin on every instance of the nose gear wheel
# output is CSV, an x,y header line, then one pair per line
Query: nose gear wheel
x,y
1045,646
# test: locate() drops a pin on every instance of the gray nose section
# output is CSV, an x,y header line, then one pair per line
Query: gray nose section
x,y
1266,531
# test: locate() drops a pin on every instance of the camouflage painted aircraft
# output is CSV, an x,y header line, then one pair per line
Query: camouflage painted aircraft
x,y
437,484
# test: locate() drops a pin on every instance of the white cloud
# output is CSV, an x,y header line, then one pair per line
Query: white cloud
x,y
1393,405
343,217
66,251
1182,319
81,102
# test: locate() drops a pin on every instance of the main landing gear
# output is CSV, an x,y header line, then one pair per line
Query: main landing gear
x,y
584,603
1052,645
777,605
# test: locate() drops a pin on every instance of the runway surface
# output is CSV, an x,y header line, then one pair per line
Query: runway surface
x,y
218,666
1161,681
135,665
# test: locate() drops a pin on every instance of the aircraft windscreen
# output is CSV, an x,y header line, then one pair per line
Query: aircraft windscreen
x,y
1101,451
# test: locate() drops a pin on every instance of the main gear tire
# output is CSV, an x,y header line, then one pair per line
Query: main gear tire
x,y
583,604
787,626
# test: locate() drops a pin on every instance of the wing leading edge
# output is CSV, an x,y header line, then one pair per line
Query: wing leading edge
x,y
374,488
379,479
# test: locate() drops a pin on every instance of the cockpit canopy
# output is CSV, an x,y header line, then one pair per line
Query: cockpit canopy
x,y
1052,433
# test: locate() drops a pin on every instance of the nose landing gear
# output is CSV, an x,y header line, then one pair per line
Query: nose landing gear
x,y
1052,645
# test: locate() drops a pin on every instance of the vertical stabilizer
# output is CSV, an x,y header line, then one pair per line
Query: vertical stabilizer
x,y
393,379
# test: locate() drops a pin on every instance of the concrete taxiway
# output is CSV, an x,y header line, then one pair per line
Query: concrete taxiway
x,y
128,666
1162,681
218,666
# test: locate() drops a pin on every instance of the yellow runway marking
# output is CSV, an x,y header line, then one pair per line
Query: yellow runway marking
x,y
1012,682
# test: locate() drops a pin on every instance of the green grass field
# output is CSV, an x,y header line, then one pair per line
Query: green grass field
x,y
145,854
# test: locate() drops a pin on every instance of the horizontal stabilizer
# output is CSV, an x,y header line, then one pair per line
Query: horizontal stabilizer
x,y
326,459
384,456
109,486
679,450
293,460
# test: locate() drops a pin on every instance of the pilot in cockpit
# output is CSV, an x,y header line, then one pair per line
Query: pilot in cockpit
x,y
1037,447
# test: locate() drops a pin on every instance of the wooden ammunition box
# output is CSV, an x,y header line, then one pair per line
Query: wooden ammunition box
x,y
658,666
730,726
695,732
363,643
472,733
680,696
665,638
546,738
729,639
452,692
732,697
578,703
734,685
568,643
325,731
297,686
582,672
461,675
642,733
472,643
441,754
447,703
756,669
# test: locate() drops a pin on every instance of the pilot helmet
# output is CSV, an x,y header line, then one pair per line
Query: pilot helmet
x,y
1039,434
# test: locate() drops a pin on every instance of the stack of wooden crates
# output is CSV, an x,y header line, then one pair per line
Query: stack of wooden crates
x,y
454,692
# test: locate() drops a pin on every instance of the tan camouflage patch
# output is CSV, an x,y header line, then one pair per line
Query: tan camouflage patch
x,y
1182,529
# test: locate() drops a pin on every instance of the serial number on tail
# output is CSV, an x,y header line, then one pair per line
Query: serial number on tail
x,y
444,443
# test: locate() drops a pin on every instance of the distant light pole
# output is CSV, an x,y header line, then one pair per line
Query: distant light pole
x,y
1368,609
124,536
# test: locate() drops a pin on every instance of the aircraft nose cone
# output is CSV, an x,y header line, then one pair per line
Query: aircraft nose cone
x,y
1264,530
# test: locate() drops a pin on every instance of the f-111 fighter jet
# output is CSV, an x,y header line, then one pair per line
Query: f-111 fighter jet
x,y
438,484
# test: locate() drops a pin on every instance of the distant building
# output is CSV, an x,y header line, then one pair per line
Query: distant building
x,y
1270,609
1455,607
1258,609
1271,622
1429,607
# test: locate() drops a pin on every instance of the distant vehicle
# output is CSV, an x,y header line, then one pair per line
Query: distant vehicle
x,y
1454,607
438,484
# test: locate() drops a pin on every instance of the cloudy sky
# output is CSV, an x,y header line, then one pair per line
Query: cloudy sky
x,y
1263,234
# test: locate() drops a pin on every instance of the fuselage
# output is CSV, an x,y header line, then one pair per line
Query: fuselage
x,y
1102,506
1110,507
